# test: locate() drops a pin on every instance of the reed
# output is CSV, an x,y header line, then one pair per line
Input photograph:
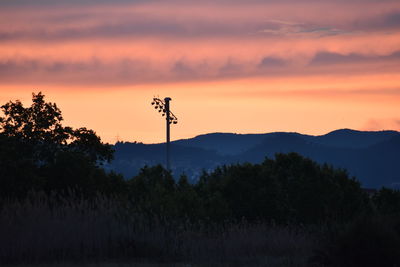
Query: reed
x,y
48,229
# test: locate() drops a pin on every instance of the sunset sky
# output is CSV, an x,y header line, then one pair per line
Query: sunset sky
x,y
242,66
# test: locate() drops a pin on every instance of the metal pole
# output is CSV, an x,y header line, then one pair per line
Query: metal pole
x,y
163,106
167,99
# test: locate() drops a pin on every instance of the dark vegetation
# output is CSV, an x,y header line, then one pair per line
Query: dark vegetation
x,y
58,204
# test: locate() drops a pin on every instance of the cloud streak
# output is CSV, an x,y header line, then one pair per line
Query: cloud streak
x,y
130,71
256,19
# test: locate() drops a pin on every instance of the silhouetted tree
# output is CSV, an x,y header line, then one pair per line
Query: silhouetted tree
x,y
153,190
387,201
290,188
187,201
40,127
38,152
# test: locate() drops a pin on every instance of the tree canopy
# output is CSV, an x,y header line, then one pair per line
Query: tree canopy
x,y
38,152
40,126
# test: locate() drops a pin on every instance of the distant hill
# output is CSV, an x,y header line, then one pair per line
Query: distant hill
x,y
224,143
232,144
347,138
373,157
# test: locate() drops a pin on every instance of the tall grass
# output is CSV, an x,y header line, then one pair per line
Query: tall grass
x,y
48,229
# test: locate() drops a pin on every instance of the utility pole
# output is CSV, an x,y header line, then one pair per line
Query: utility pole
x,y
164,107
167,99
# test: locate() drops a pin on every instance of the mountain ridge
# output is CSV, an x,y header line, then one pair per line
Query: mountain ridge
x,y
326,139
373,157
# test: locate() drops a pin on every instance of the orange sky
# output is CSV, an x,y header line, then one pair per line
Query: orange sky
x,y
229,66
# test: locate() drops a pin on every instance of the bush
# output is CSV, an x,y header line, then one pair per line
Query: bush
x,y
287,189
387,201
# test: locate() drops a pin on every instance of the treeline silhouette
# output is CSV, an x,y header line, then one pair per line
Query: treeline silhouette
x,y
52,167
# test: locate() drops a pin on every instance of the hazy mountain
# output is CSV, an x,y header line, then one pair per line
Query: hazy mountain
x,y
353,139
373,157
130,157
233,144
223,143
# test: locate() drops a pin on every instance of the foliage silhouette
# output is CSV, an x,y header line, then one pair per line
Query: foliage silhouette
x,y
40,126
387,201
289,188
39,153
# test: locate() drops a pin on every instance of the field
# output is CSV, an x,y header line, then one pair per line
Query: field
x,y
59,232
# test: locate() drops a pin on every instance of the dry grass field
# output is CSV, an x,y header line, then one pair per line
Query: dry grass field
x,y
58,232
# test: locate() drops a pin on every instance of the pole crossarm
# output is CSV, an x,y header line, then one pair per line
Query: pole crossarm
x,y
160,105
